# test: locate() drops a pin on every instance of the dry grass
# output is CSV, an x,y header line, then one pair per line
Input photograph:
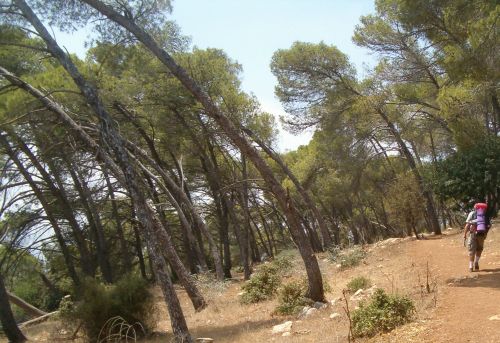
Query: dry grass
x,y
227,320
389,266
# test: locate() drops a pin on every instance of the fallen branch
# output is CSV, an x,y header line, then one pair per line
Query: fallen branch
x,y
28,308
37,320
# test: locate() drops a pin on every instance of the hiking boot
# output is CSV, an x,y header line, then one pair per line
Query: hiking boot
x,y
476,266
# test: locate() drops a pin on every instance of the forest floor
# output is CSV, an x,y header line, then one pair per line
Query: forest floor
x,y
457,309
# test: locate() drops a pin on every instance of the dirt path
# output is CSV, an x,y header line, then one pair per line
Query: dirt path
x,y
465,300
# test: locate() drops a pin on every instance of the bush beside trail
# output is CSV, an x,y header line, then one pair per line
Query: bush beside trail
x,y
129,298
382,313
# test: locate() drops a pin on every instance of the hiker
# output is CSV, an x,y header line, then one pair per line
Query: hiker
x,y
477,226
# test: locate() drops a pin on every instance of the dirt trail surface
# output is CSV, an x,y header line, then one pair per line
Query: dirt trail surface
x,y
466,301
456,307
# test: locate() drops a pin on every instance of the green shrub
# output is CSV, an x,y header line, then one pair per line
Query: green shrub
x,y
129,298
291,298
283,262
357,283
352,258
334,253
262,285
383,313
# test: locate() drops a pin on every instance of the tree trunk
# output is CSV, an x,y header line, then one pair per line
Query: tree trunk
x,y
63,203
47,208
138,246
9,325
179,194
133,181
171,186
125,256
26,307
224,228
194,252
429,202
246,230
327,240
94,220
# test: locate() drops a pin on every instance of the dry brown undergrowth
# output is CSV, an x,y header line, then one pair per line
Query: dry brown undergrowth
x,y
419,269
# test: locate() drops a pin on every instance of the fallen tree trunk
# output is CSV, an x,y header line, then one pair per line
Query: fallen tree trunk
x,y
37,320
28,308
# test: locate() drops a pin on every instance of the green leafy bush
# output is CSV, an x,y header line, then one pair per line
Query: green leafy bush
x,y
262,285
383,313
357,283
352,258
291,298
283,262
129,298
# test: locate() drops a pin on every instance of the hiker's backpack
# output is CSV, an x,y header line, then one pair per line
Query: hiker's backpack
x,y
479,217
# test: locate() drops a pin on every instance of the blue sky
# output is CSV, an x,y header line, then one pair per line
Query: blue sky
x,y
251,31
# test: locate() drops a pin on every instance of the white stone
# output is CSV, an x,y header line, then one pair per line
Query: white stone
x,y
319,305
303,312
281,328
204,340
241,293
358,295
286,334
334,315
310,312
495,317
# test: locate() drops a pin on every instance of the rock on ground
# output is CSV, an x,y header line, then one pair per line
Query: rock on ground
x,y
319,305
281,328
334,315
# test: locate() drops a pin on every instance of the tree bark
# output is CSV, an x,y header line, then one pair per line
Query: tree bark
x,y
26,307
125,256
138,245
245,231
9,325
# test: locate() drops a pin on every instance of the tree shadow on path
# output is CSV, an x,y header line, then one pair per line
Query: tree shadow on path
x,y
489,280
